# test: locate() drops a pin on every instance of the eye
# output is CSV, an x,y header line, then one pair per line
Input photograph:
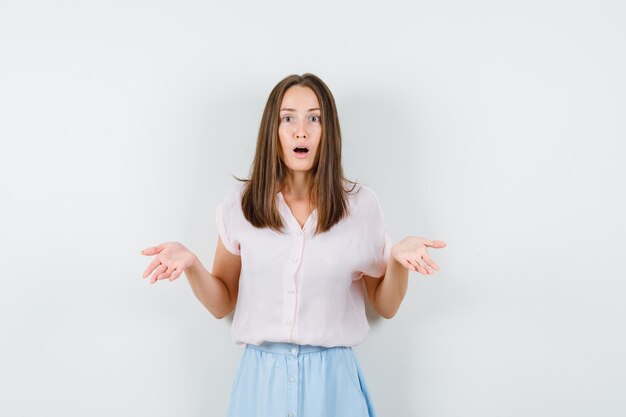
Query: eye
x,y
285,117
317,118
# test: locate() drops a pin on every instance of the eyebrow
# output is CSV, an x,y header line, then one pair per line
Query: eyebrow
x,y
290,109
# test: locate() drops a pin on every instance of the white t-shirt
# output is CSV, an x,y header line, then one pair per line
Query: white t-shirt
x,y
300,288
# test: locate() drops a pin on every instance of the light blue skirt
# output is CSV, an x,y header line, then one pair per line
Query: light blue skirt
x,y
290,380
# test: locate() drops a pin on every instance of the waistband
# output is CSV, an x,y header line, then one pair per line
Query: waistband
x,y
290,348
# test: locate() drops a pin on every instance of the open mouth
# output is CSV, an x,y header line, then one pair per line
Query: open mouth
x,y
301,150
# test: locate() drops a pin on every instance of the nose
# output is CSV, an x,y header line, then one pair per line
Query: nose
x,y
300,129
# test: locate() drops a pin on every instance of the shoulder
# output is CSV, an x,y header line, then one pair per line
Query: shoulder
x,y
364,200
367,190
232,195
365,195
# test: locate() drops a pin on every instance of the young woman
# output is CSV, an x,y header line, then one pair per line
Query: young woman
x,y
294,241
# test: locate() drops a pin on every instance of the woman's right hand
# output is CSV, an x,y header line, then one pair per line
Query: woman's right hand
x,y
172,258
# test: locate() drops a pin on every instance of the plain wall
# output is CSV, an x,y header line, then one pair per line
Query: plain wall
x,y
497,127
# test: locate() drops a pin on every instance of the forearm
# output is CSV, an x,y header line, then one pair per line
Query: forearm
x,y
209,290
392,289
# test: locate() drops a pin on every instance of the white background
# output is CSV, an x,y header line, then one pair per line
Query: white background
x,y
495,126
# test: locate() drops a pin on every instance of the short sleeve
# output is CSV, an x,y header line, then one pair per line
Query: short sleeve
x,y
225,224
379,242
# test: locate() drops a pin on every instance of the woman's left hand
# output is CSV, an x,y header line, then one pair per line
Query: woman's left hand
x,y
412,249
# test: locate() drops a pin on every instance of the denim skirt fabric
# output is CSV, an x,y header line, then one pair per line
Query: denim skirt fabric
x,y
277,379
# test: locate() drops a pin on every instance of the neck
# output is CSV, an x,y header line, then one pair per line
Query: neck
x,y
296,184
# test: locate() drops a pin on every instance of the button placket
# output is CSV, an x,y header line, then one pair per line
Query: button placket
x,y
292,384
290,277
290,284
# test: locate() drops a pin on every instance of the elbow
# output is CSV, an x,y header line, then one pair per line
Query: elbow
x,y
388,314
218,316
221,314
384,314
218,313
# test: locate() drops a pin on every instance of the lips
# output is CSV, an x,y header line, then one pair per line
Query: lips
x,y
301,151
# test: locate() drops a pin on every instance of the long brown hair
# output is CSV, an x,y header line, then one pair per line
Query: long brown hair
x,y
326,183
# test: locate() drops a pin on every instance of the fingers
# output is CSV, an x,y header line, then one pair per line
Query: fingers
x,y
157,268
162,272
148,251
175,274
169,271
409,265
423,269
153,250
429,261
160,269
418,267
151,267
166,272
434,243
